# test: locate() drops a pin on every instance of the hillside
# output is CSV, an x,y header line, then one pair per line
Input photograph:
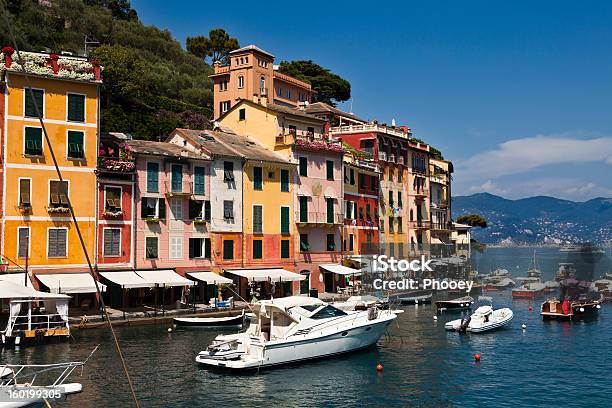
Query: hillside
x,y
538,220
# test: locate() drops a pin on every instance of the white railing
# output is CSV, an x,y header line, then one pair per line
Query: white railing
x,y
370,127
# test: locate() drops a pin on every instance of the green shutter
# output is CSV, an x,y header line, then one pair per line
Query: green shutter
x,y
151,247
330,210
257,249
331,244
285,248
152,177
228,249
257,178
303,209
330,169
242,114
33,141
284,220
30,110
198,180
257,219
284,175
76,108
207,248
177,178
75,145
303,166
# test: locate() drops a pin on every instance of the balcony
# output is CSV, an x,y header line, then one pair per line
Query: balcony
x,y
442,205
115,164
392,158
420,194
382,156
308,143
183,188
318,218
419,224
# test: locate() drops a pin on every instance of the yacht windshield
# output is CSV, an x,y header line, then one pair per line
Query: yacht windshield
x,y
327,312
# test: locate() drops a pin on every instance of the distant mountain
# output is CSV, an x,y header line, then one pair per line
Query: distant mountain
x,y
538,220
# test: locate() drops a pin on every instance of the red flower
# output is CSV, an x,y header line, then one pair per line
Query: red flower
x,y
8,50
54,56
94,61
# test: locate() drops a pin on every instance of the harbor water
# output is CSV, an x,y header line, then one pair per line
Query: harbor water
x,y
547,364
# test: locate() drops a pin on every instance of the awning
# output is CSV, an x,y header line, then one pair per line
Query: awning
x,y
164,277
127,279
10,290
436,241
69,282
340,269
263,275
17,278
210,278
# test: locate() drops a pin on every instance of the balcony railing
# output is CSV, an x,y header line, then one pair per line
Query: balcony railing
x,y
419,224
420,194
441,205
370,127
318,218
179,188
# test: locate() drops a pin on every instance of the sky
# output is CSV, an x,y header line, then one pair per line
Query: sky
x,y
517,94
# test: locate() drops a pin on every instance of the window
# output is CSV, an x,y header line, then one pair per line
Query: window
x,y
399,225
327,312
76,108
199,210
399,199
262,86
310,131
258,219
228,249
176,208
228,171
198,180
58,193
257,249
390,224
112,198
351,242
33,142
25,193
23,242
373,183
390,198
223,85
242,114
284,248
331,244
292,130
284,178
391,249
151,247
284,220
177,178
368,146
176,247
352,176
279,92
303,166
76,148
30,109
288,93
224,106
240,82
303,209
399,175
112,241
368,214
304,245
199,248
228,210
362,181
400,249
330,210
57,242
361,213
302,97
330,169
153,207
152,177
348,212
257,178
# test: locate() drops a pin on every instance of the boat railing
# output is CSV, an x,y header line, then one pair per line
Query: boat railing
x,y
44,321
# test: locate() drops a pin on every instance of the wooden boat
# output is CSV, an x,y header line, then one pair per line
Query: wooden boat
x,y
462,303
566,310
229,321
415,300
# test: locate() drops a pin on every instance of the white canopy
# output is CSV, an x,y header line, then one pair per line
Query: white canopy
x,y
436,241
10,290
18,278
340,269
127,279
70,282
164,277
263,275
210,278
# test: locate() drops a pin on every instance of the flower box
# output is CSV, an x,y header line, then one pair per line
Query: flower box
x,y
58,210
152,220
319,145
200,222
112,214
113,164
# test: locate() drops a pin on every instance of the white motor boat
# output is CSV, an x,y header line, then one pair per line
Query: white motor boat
x,y
296,328
485,318
362,302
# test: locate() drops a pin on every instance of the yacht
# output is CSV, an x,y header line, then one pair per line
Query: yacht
x,y
485,318
293,329
529,290
462,303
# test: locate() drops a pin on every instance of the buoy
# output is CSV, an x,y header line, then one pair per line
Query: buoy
x,y
435,317
169,329
582,309
476,357
416,302
530,309
598,306
523,326
379,367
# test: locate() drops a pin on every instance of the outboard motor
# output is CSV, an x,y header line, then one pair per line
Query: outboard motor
x,y
465,322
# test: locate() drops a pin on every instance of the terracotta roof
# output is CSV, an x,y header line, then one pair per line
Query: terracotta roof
x,y
321,107
229,144
251,47
292,111
163,149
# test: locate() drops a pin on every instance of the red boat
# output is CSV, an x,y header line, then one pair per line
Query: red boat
x,y
529,290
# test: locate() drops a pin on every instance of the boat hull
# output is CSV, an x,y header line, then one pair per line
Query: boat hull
x,y
306,347
234,321
526,293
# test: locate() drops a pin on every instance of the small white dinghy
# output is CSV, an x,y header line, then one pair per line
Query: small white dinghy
x,y
485,318
229,321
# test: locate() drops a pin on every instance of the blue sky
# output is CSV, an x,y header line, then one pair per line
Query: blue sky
x,y
517,94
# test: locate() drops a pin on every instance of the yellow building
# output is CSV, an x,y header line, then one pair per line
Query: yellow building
x,y
37,224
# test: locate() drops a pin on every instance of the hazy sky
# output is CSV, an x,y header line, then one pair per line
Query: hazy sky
x,y
518,94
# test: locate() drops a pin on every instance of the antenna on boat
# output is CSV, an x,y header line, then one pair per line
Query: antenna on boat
x,y
69,202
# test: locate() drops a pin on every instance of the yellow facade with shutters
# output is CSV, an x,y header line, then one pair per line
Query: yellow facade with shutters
x,y
35,206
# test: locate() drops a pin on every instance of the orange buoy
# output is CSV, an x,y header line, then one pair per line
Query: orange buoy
x,y
379,367
476,357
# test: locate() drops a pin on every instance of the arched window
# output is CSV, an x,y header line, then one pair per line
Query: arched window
x,y
262,85
241,82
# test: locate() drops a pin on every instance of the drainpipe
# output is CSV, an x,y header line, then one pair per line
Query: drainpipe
x,y
242,217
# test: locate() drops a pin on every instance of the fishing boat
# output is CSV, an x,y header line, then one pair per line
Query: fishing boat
x,y
485,318
569,310
415,299
293,329
21,384
529,290
462,303
212,322
505,283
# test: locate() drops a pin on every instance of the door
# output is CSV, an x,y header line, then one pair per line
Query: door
x,y
328,278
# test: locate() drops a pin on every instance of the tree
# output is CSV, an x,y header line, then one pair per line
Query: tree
x,y
217,45
473,220
330,88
